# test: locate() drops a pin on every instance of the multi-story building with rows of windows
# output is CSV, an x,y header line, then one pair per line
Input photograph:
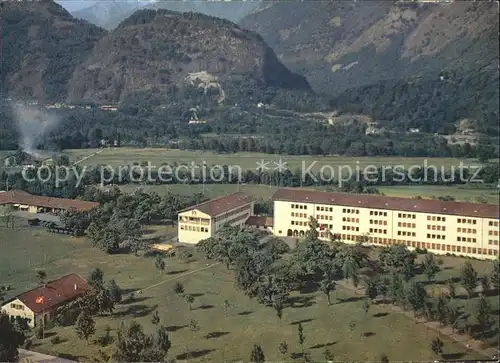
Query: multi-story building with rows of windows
x,y
203,220
439,226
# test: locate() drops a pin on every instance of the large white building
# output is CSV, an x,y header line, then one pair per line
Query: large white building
x,y
439,226
203,220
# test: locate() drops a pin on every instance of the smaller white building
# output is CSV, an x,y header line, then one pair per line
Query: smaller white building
x,y
41,303
203,220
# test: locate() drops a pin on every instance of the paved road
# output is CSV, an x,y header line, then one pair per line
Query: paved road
x,y
28,356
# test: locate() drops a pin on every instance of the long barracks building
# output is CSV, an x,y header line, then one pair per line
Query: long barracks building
x,y
439,226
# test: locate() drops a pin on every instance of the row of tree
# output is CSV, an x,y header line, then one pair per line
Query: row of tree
x,y
117,222
362,181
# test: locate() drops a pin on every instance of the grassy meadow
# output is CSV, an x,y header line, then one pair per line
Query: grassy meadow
x,y
343,328
248,161
460,193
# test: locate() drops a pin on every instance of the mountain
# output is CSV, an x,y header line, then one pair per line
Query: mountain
x,y
153,51
41,46
403,64
109,14
339,45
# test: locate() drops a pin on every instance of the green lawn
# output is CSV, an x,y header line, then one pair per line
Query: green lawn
x,y
460,193
248,161
209,190
220,338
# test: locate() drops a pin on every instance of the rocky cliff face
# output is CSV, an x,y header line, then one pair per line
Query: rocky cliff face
x,y
340,45
41,46
154,50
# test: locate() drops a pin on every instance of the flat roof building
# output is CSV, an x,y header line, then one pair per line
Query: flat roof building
x,y
439,226
203,220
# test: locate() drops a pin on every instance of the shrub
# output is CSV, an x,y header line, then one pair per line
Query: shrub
x,y
39,332
27,344
55,340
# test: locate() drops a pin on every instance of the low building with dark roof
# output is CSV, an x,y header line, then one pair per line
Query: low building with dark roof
x,y
42,302
441,227
203,220
40,204
260,222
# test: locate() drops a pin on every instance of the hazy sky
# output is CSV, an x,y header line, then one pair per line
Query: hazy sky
x,y
72,5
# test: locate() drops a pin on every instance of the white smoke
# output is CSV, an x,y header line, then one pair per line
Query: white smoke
x,y
33,124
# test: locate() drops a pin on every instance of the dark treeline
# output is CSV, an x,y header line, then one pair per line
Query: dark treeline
x,y
74,184
145,120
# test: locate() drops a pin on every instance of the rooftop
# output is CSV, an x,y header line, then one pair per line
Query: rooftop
x,y
21,197
221,205
55,293
389,203
259,221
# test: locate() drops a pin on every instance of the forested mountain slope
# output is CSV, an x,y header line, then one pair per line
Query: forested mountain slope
x,y
425,65
41,46
152,51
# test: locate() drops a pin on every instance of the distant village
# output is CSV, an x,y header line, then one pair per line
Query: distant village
x,y
62,105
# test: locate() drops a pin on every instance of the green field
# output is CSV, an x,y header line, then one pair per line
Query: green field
x,y
460,193
220,338
463,193
248,161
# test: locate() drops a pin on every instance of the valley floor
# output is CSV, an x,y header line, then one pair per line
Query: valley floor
x,y
344,328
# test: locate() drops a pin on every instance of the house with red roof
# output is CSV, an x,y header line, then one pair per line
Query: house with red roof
x,y
42,302
40,204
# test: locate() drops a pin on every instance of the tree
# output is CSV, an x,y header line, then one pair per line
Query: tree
x,y
371,288
257,355
179,289
85,325
431,268
301,336
469,278
41,276
328,354
283,348
483,312
415,296
226,307
278,307
96,278
366,306
327,286
115,292
442,309
384,358
155,319
437,346
194,326
495,276
485,283
10,340
189,299
162,340
398,259
452,290
133,345
160,264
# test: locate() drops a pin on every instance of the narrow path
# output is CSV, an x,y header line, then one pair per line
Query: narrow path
x,y
29,356
465,340
180,275
88,156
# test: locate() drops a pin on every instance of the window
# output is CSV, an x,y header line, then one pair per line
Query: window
x,y
17,306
